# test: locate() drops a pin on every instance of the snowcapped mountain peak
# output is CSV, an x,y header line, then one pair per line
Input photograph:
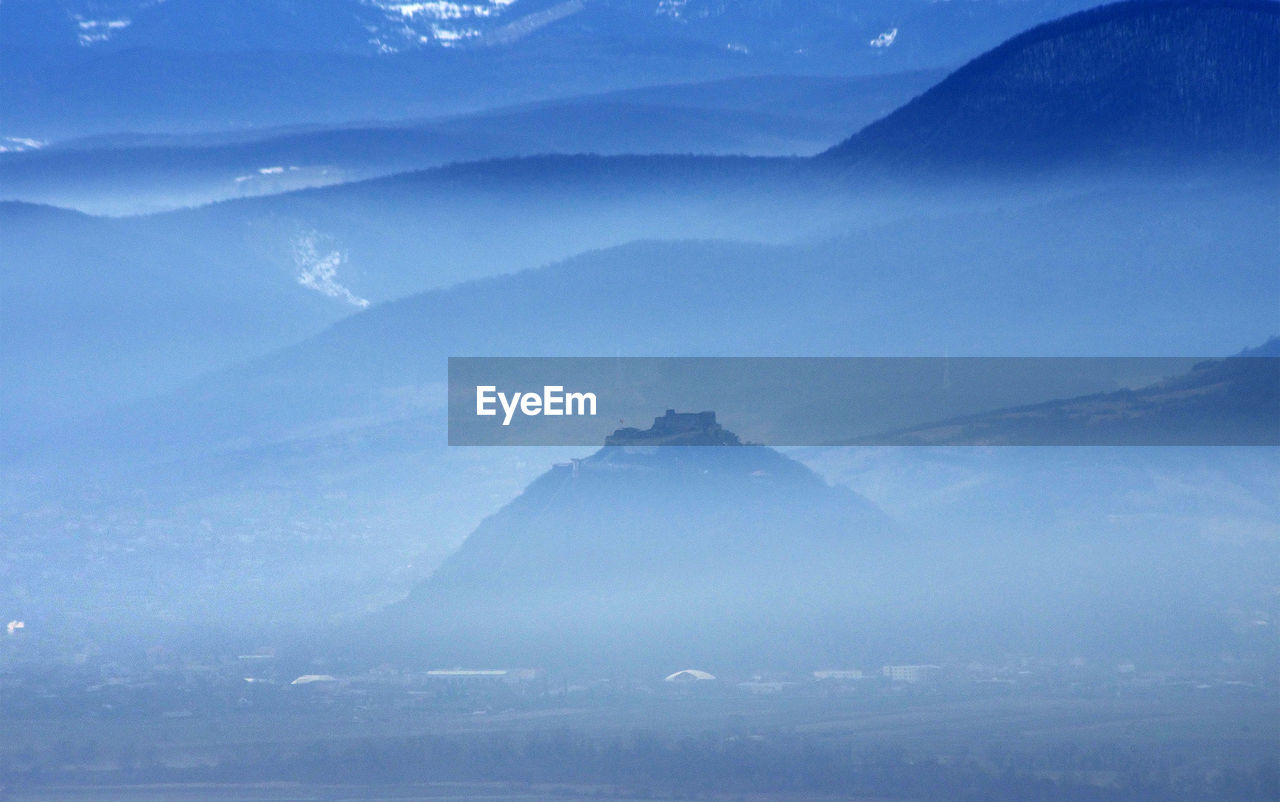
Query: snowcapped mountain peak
x,y
782,35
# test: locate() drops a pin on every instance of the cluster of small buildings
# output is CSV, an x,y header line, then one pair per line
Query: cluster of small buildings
x,y
161,680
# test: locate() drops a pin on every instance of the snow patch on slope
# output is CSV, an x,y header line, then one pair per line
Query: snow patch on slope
x,y
444,9
425,23
20,144
885,39
671,8
96,31
318,269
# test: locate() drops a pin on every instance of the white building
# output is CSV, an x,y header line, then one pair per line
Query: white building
x,y
689,675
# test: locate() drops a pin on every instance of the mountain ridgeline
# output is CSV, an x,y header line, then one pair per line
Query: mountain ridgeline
x,y
78,67
761,115
1126,80
1198,81
1219,402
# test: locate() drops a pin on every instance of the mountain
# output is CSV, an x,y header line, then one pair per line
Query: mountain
x,y
244,458
331,453
647,546
735,557
763,115
382,28
1234,401
305,258
925,284
1131,80
79,67
98,311
104,310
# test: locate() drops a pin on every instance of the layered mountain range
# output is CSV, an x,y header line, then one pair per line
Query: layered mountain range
x,y
268,271
192,399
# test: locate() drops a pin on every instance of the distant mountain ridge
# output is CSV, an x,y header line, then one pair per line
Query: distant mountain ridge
x,y
764,115
384,27
80,67
875,292
1157,83
1131,78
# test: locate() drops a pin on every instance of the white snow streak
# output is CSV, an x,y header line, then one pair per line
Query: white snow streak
x,y
319,271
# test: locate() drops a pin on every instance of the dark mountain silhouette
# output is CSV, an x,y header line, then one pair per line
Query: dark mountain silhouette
x,y
677,548
1233,401
1123,80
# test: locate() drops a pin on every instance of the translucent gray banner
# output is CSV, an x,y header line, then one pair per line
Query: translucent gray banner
x,y
864,401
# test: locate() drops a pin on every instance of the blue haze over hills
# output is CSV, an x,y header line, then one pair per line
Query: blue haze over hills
x,y
228,418
306,258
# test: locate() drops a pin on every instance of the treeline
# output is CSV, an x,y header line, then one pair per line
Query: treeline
x,y
709,765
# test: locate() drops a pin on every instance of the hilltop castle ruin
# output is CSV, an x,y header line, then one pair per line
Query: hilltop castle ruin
x,y
676,429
